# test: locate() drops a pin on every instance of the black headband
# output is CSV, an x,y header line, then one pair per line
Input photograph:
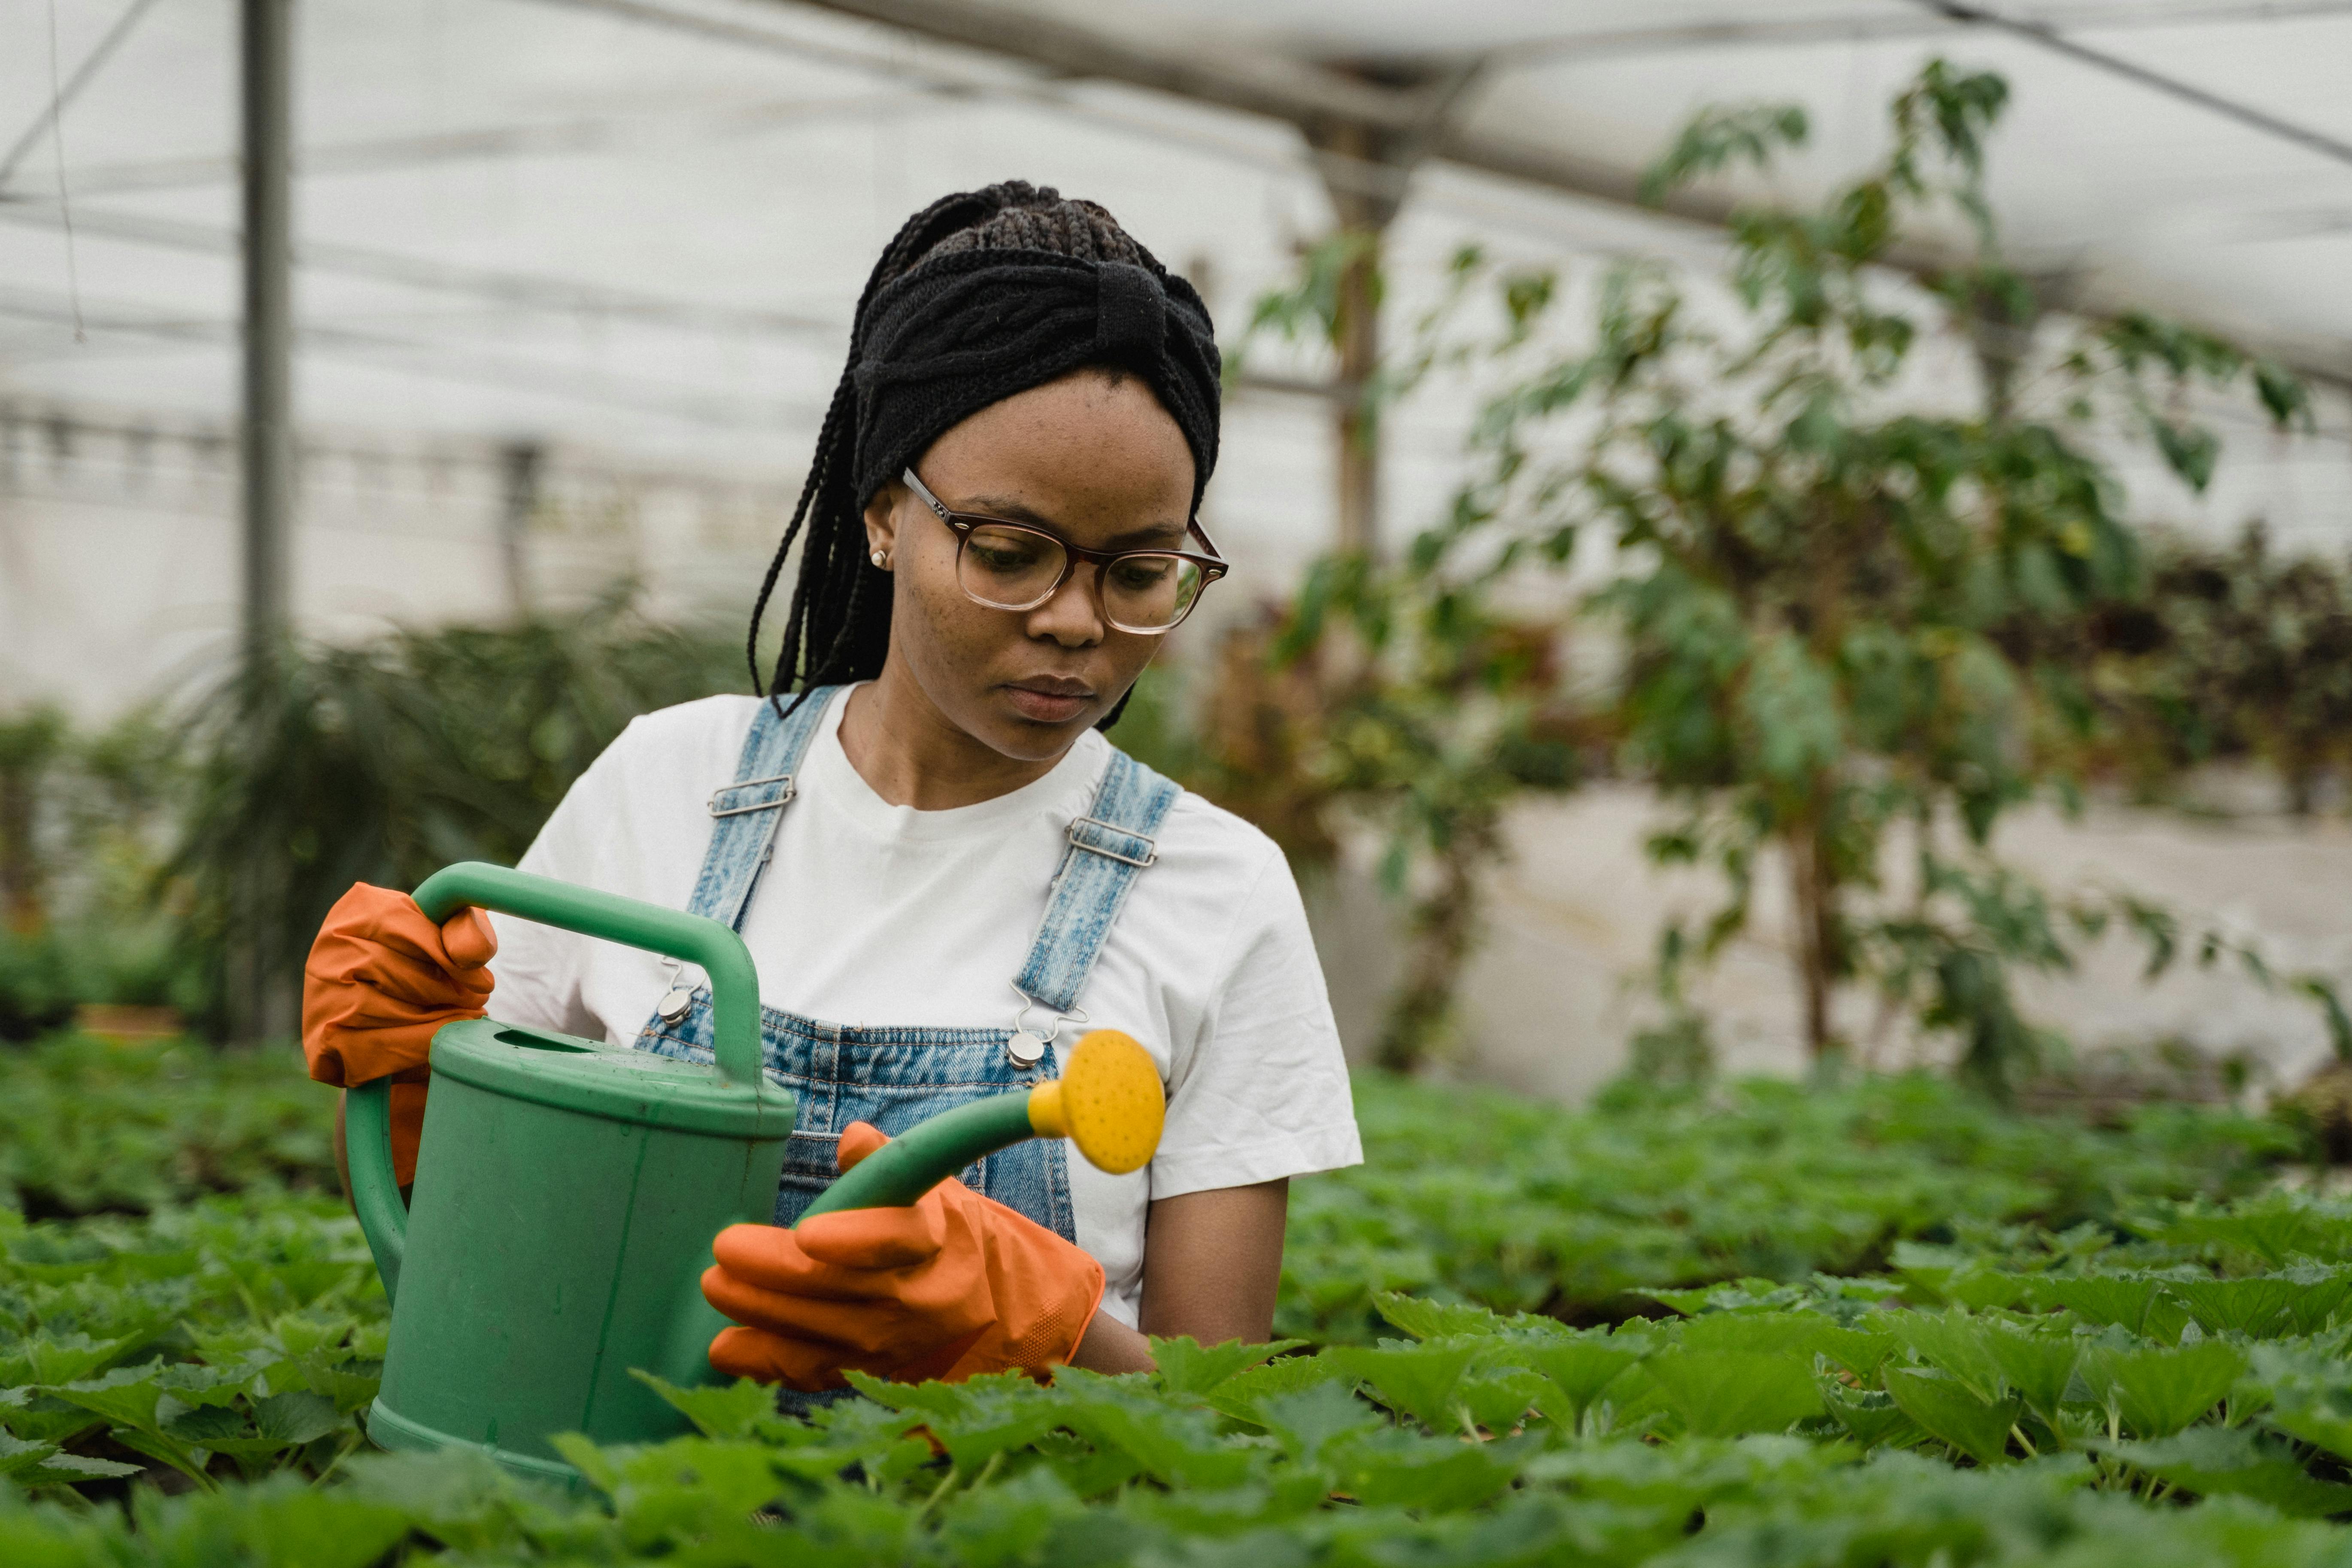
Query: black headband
x,y
974,327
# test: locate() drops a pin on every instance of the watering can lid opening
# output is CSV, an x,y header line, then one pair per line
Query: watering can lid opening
x,y
616,1083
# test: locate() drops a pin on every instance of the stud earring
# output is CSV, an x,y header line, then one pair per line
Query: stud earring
x,y
881,558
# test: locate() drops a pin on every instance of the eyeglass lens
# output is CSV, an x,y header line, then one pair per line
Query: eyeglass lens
x,y
1015,569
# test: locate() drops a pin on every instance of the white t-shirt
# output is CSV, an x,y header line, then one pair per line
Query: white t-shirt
x,y
882,915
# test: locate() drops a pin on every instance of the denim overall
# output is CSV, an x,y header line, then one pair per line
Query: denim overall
x,y
895,1077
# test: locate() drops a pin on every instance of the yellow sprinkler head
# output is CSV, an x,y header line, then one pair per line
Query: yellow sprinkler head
x,y
1107,1101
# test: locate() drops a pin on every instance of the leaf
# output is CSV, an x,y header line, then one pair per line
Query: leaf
x,y
1499,1402
1243,1394
1418,1380
1309,1422
1583,1370
2039,1367
1187,1367
1945,1408
1007,1524
2190,450
352,1385
2273,1230
2264,1306
1798,1335
1427,1320
1724,1393
2102,1298
301,1527
691,1488
1174,1446
133,1399
726,1412
69,1358
1870,1416
72,1470
127,1396
1400,1469
16,1455
206,1427
2310,1397
590,1460
42,1418
1955,1344
41,1464
1983,1290
295,1417
166,1450
1791,705
2218,1461
2157,1392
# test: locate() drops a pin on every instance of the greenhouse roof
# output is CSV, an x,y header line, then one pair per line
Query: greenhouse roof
x,y
637,227
703,182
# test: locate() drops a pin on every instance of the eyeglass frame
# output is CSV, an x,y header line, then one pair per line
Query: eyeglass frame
x,y
961,523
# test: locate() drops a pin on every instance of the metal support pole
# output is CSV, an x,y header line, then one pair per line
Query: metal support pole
x,y
264,998
269,444
1364,212
1364,164
519,465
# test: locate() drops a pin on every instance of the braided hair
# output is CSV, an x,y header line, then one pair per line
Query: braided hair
x,y
981,295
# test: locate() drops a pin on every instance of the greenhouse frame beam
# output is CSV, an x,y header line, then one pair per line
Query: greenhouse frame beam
x,y
1787,32
1303,93
2044,36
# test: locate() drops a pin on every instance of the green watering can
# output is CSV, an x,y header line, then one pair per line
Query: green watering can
x,y
567,1191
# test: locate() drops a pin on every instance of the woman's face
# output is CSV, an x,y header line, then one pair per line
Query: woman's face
x,y
1100,464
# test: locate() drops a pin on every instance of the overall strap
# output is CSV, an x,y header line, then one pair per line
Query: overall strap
x,y
1106,847
745,813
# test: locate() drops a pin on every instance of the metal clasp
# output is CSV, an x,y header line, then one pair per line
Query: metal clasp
x,y
1027,1047
677,1001
1151,852
785,799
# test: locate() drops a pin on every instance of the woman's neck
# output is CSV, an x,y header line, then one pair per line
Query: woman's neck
x,y
911,754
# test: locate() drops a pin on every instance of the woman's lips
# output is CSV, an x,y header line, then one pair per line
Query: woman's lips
x,y
1048,707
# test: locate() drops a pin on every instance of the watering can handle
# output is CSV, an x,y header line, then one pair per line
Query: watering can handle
x,y
734,984
734,1005
375,1189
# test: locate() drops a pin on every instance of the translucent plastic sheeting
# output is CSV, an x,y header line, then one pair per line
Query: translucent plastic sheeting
x,y
630,232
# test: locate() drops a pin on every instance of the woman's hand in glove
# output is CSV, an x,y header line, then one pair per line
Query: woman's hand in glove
x,y
951,1287
380,979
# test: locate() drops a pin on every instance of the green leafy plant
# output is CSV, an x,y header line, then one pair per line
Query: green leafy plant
x,y
2097,1332
1391,700
87,1126
1848,612
383,761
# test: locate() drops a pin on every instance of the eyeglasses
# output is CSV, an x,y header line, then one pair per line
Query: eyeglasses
x,y
1013,566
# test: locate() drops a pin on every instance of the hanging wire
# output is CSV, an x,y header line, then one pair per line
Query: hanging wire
x,y
64,202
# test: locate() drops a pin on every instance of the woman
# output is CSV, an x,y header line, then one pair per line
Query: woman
x,y
942,868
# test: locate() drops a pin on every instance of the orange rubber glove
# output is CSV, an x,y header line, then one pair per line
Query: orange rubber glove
x,y
952,1286
380,979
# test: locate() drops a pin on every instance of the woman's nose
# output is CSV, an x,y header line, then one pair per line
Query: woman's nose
x,y
1072,616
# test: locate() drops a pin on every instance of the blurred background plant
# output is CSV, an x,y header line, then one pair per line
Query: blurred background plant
x,y
83,818
1846,615
134,855
2236,654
